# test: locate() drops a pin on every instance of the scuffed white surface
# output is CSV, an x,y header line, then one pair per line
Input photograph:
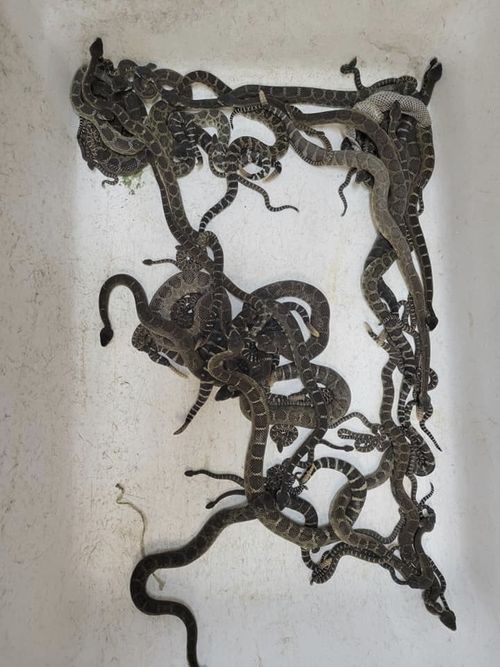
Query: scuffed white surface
x,y
76,419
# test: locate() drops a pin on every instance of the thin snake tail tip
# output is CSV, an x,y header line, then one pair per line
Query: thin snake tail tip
x,y
312,330
159,581
200,343
180,430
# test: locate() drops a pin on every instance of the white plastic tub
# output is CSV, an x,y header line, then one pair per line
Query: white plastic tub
x,y
77,419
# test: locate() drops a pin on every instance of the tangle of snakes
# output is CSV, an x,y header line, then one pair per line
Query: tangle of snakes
x,y
133,116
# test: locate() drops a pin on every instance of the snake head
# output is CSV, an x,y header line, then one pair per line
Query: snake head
x,y
448,618
427,518
432,320
283,435
225,392
445,615
348,67
235,342
435,70
106,335
96,48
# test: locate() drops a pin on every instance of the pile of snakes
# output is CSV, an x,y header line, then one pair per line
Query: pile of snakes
x,y
134,116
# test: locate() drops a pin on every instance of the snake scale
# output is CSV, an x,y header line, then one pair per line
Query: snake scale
x,y
134,117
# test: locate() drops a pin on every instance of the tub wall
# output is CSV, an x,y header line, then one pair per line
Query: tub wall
x,y
78,419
